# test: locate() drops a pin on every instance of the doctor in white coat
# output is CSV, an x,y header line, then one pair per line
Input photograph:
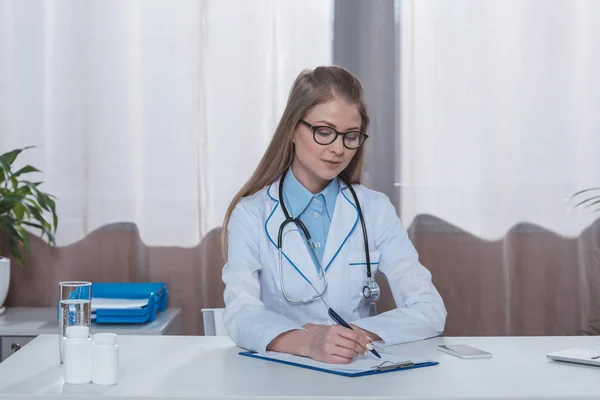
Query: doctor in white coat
x,y
317,150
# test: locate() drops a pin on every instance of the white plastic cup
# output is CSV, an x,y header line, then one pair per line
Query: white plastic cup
x,y
105,359
77,348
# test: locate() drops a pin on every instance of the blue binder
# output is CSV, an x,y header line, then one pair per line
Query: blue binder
x,y
381,368
156,293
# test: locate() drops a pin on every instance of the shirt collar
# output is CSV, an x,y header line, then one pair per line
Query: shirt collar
x,y
331,193
297,197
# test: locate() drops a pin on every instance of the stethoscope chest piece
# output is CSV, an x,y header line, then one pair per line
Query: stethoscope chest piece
x,y
371,291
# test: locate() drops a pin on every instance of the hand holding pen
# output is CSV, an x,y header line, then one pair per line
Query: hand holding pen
x,y
343,323
333,343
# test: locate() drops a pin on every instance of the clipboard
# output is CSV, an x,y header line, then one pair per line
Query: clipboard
x,y
377,367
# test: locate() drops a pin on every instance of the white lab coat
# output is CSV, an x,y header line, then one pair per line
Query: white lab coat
x,y
256,311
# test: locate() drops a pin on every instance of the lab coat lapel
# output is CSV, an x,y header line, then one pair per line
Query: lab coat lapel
x,y
345,219
294,246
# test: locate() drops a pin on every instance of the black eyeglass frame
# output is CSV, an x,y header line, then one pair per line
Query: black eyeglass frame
x,y
314,128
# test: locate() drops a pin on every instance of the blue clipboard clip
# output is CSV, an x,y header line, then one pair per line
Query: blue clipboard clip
x,y
388,365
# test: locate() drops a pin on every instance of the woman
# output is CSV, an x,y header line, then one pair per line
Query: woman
x,y
279,301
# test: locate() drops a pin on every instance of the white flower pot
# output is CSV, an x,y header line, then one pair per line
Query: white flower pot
x,y
4,280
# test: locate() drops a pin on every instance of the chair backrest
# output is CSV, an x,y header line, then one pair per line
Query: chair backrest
x,y
212,319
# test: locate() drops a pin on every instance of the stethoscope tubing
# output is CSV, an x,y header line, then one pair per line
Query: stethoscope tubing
x,y
300,224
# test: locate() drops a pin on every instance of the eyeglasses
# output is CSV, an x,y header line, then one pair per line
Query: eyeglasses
x,y
325,135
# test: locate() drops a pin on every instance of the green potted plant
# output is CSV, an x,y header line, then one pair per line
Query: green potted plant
x,y
22,206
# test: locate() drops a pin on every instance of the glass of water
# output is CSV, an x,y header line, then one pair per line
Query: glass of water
x,y
75,308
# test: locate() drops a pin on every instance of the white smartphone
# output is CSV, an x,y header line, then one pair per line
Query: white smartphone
x,y
463,351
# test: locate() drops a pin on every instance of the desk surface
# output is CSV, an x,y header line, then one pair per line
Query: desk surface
x,y
196,367
33,321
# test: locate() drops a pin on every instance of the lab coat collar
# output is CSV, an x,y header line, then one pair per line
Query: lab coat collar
x,y
344,221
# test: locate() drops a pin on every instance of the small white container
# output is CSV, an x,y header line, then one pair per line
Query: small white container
x,y
77,348
105,359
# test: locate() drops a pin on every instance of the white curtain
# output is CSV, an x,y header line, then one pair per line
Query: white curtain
x,y
500,112
152,111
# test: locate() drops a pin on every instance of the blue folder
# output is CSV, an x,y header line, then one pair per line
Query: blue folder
x,y
385,367
156,293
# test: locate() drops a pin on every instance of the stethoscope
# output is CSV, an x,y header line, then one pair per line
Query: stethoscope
x,y
370,291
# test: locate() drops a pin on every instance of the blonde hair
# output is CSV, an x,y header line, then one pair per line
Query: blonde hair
x,y
311,87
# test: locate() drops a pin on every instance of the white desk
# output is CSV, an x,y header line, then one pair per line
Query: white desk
x,y
19,325
196,367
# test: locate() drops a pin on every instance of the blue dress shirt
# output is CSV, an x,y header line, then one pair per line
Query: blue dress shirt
x,y
314,210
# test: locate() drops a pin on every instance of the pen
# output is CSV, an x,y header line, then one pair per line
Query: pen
x,y
343,323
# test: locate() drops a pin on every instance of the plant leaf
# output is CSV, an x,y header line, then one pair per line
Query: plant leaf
x,y
14,249
52,206
43,231
14,239
594,203
32,188
5,170
38,216
19,210
51,238
8,203
24,240
22,206
7,159
12,155
33,225
26,170
585,201
584,191
41,198
9,225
